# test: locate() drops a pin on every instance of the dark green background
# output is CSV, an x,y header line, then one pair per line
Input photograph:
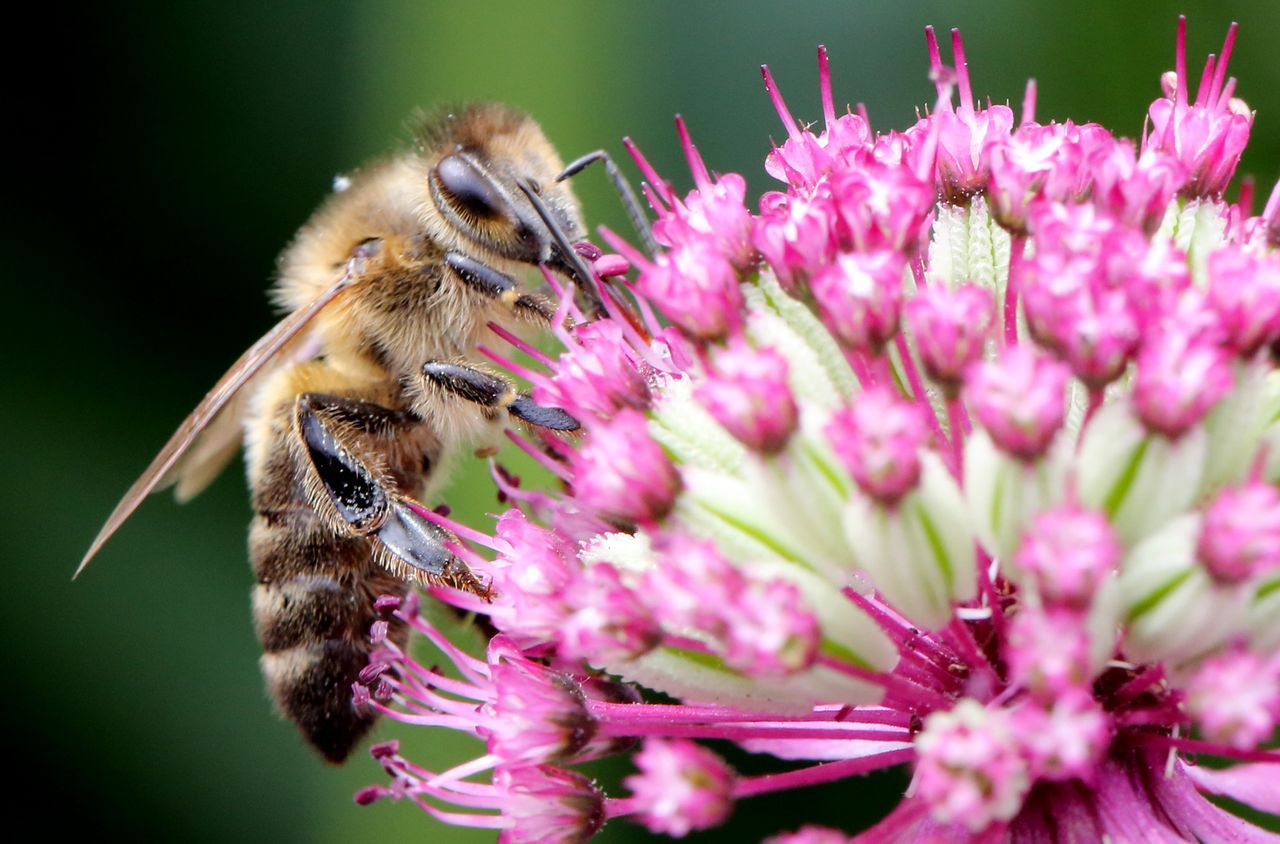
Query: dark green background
x,y
146,202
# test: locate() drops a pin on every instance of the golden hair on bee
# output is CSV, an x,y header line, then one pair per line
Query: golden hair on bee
x,y
354,404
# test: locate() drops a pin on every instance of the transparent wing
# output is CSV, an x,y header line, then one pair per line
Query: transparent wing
x,y
161,472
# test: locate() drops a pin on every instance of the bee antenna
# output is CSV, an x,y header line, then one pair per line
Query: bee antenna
x,y
630,202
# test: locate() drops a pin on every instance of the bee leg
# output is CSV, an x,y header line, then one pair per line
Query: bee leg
x,y
485,279
364,500
630,202
491,391
332,532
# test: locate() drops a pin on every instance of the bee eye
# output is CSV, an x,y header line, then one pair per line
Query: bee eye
x,y
468,189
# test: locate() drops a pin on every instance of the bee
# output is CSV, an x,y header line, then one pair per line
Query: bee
x,y
355,404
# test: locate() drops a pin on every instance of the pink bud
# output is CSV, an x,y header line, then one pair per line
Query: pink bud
x,y
1020,399
1240,536
1067,552
1244,290
1235,698
1064,737
1180,376
681,787
1048,651
860,298
878,440
746,391
621,473
697,288
950,328
968,766
608,622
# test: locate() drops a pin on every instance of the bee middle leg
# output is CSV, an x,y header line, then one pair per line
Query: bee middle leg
x,y
493,393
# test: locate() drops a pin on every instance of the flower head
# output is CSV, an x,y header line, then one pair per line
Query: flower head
x,y
961,454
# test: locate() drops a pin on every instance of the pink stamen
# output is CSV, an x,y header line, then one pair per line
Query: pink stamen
x,y
567,309
1028,104
655,181
827,772
510,365
935,60
529,350
962,70
552,466
696,165
1180,63
1221,72
539,501
450,525
1203,93
899,689
775,95
742,732
466,769
824,86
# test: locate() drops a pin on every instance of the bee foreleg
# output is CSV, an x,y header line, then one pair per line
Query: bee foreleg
x,y
491,391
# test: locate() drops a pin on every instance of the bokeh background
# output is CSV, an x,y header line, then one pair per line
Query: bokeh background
x,y
150,193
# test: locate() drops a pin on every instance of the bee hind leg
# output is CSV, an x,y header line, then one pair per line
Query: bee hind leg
x,y
357,496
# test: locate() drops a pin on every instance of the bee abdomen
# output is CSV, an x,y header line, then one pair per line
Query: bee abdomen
x,y
312,608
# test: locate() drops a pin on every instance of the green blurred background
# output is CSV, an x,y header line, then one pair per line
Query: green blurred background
x,y
146,205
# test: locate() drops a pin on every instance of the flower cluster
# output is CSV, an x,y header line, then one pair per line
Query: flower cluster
x,y
962,453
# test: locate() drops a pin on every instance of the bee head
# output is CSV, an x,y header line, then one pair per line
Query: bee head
x,y
480,157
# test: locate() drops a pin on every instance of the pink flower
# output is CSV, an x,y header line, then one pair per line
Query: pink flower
x,y
608,622
1180,376
881,206
697,287
1235,697
1244,290
1066,552
680,787
747,392
1240,537
1065,736
969,769
879,440
1048,651
547,805
1020,399
794,235
1207,136
1136,189
621,473
950,328
860,297
598,376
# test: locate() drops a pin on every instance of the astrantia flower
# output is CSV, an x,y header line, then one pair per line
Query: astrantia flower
x,y
961,454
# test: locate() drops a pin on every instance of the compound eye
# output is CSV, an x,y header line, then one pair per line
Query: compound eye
x,y
469,190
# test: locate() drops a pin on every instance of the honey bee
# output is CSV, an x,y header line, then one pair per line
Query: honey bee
x,y
357,401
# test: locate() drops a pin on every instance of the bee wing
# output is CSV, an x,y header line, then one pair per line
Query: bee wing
x,y
221,439
161,470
